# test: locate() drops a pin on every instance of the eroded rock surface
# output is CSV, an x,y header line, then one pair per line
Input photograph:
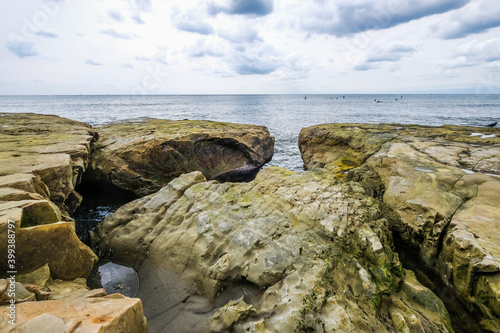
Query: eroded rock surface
x,y
442,184
287,252
143,156
42,159
44,155
46,305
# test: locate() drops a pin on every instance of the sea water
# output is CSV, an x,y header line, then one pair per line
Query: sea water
x,y
283,115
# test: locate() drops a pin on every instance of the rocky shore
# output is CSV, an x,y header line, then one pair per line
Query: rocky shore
x,y
324,250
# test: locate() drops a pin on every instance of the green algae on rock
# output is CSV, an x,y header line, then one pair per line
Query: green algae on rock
x,y
143,156
52,149
439,183
43,158
285,252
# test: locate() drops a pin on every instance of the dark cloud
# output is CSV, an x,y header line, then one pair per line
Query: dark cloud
x,y
346,18
93,62
115,15
475,18
112,32
46,33
242,7
21,47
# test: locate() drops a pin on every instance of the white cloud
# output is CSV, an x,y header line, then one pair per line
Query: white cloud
x,y
93,62
269,46
476,17
116,15
113,33
191,21
21,47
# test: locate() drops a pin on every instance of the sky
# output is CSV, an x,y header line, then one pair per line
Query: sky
x,y
249,46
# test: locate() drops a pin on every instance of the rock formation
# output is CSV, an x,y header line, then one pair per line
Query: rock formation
x,y
42,159
143,156
46,305
441,185
286,252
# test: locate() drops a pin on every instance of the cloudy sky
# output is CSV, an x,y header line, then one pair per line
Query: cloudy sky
x,y
249,46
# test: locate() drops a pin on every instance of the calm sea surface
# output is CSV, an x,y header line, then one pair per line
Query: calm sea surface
x,y
284,115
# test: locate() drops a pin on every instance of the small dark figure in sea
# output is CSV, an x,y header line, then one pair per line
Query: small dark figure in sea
x,y
493,124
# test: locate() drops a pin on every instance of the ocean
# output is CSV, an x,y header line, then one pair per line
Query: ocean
x,y
283,115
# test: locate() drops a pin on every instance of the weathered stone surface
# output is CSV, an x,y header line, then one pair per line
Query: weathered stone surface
x,y
57,245
76,310
143,156
438,183
287,252
44,154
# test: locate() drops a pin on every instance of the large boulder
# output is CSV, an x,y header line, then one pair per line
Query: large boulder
x,y
143,156
286,252
442,185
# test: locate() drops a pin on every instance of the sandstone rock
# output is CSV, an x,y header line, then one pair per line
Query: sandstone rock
x,y
143,156
58,246
438,183
286,252
86,313
42,159
44,154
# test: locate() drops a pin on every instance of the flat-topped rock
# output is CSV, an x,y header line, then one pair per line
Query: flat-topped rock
x,y
42,159
55,150
67,306
443,185
286,252
143,156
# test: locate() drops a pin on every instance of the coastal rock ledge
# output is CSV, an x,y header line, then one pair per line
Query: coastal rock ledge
x,y
42,160
143,156
286,252
442,185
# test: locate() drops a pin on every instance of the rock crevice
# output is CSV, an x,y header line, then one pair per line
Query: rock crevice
x,y
447,214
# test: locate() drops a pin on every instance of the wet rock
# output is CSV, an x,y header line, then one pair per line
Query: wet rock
x,y
286,252
440,187
143,156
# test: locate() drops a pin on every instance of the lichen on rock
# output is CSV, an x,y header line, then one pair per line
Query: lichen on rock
x,y
442,191
143,156
285,252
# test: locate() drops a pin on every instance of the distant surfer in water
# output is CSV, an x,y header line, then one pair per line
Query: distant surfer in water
x,y
305,98
493,124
